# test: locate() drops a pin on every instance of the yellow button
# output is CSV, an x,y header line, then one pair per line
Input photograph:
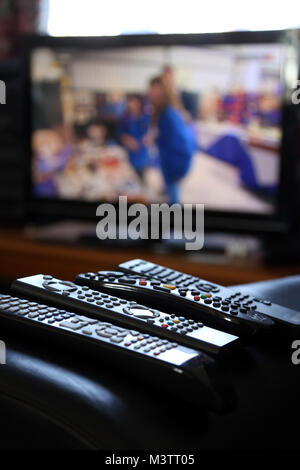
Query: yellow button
x,y
208,295
168,286
176,321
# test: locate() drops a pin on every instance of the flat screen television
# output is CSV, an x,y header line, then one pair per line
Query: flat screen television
x,y
98,114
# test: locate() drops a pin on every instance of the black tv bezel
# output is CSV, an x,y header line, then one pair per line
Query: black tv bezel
x,y
55,209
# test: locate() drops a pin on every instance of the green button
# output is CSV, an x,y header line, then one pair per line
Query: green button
x,y
170,323
203,296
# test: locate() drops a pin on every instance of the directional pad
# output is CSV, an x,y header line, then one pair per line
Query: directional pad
x,y
60,286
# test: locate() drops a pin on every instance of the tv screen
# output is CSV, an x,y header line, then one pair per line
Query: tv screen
x,y
187,124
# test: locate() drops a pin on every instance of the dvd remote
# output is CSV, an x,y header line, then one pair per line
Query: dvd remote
x,y
225,295
176,367
198,306
131,314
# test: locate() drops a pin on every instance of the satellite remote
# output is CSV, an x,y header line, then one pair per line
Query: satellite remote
x,y
198,306
128,314
177,368
228,298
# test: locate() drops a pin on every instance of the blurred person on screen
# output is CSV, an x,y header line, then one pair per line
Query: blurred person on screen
x,y
133,129
175,141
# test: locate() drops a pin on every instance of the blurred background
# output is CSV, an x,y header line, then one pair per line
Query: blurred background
x,y
78,128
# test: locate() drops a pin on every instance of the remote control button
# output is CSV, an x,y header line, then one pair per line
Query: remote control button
x,y
111,331
197,298
33,309
116,339
207,301
23,312
134,333
139,311
71,326
103,333
87,331
169,286
216,304
33,315
5,306
225,308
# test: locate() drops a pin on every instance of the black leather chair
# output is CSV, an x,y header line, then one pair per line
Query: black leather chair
x,y
51,398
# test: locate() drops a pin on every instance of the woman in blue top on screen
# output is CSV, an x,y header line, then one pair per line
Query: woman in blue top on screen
x,y
175,140
133,128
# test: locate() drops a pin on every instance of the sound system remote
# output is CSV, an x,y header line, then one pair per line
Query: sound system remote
x,y
198,306
133,315
176,368
230,300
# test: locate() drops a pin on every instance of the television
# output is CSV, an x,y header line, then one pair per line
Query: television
x,y
200,118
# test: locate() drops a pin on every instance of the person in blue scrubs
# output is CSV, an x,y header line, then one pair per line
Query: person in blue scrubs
x,y
175,141
133,129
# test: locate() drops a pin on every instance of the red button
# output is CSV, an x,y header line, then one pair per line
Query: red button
x,y
164,325
143,282
127,344
196,297
156,353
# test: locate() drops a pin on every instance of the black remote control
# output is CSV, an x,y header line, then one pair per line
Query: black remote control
x,y
198,306
176,367
227,297
128,314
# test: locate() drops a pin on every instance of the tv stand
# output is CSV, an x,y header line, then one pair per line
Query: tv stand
x,y
24,255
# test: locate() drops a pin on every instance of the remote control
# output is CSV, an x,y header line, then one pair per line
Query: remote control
x,y
198,306
176,367
184,282
129,314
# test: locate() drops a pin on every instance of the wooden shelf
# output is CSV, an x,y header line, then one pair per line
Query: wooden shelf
x,y
22,256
